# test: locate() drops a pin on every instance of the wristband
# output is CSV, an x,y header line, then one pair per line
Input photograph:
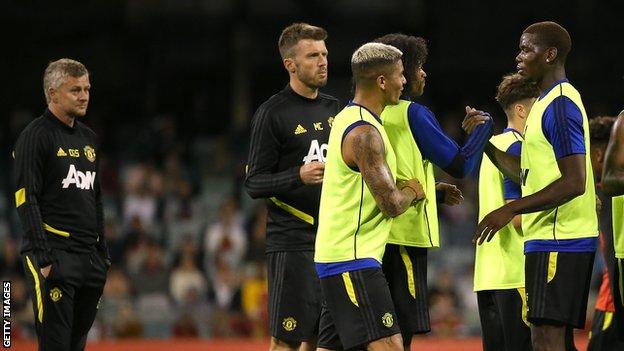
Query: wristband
x,y
405,185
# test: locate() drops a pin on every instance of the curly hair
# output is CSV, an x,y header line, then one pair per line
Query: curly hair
x,y
600,129
414,52
514,88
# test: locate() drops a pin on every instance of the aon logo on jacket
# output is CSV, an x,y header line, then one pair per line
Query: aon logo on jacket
x,y
317,152
81,180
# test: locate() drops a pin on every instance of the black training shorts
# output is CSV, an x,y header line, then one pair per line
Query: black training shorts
x,y
359,310
294,296
557,286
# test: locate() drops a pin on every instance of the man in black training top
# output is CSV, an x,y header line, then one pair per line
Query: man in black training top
x,y
58,199
289,135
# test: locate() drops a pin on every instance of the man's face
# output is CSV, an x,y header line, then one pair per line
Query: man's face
x,y
417,85
72,97
532,58
310,62
394,82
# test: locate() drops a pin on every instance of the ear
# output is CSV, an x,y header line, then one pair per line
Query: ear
x,y
52,95
381,82
520,110
289,64
551,54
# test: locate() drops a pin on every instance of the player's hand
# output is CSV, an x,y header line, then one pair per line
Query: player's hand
x,y
45,271
473,119
415,186
492,223
452,195
312,173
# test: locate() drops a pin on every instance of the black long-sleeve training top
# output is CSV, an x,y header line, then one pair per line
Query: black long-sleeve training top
x,y
288,131
57,192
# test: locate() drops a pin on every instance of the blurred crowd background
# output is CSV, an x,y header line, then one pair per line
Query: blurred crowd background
x,y
174,86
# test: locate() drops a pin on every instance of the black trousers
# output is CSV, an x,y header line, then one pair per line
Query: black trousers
x,y
66,302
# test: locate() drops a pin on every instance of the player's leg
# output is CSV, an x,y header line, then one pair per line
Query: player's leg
x,y
294,300
278,345
512,307
548,337
360,305
308,345
569,339
328,339
557,287
390,343
405,269
491,324
87,297
618,297
52,299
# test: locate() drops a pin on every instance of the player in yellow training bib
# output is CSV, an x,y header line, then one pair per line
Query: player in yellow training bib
x,y
613,185
603,335
418,138
558,204
499,264
358,202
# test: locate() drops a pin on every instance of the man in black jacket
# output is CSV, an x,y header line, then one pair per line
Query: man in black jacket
x,y
289,134
58,199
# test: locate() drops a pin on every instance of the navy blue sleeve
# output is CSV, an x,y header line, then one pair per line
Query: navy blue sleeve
x,y
433,143
562,125
473,149
511,190
443,151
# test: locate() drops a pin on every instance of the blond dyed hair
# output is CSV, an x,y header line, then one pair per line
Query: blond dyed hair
x,y
371,60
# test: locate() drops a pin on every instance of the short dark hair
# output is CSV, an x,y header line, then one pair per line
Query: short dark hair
x,y
514,88
292,34
552,34
371,60
414,52
600,129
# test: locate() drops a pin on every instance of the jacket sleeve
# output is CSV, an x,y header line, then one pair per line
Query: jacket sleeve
x,y
262,181
30,158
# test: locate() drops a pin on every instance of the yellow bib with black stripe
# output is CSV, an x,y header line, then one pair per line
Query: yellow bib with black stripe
x,y
617,209
576,218
418,226
351,226
499,263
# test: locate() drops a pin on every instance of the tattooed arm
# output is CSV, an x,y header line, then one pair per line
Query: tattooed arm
x,y
613,171
363,148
